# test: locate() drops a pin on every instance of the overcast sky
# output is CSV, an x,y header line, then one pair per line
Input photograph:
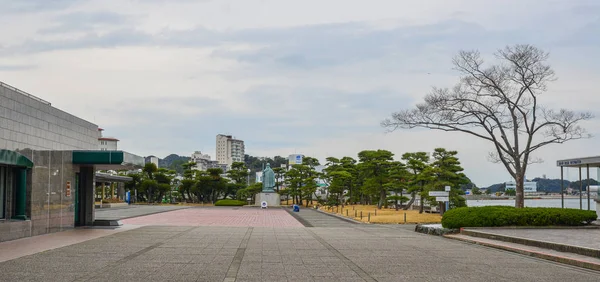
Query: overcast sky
x,y
312,76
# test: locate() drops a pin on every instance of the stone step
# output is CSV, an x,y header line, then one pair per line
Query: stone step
x,y
588,262
534,243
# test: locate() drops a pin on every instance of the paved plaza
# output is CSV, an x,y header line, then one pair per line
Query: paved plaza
x,y
133,211
258,249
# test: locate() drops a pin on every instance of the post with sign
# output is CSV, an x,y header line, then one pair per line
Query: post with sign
x,y
440,196
447,188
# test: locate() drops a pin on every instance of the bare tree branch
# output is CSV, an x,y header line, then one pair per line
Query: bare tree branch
x,y
499,104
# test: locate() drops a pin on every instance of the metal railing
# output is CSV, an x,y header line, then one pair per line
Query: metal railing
x,y
24,93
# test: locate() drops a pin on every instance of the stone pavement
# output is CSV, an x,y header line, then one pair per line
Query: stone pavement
x,y
133,211
209,253
312,218
219,216
354,252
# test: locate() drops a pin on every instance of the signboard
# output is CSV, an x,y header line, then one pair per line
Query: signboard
x,y
442,199
68,192
295,159
447,188
263,204
438,194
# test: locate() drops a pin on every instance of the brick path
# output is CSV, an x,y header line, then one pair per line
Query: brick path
x,y
224,216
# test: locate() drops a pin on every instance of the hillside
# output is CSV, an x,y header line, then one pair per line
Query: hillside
x,y
174,162
548,185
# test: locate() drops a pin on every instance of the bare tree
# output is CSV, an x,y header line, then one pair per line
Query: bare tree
x,y
500,104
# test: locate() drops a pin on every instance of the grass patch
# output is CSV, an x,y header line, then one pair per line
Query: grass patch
x,y
384,216
228,202
493,216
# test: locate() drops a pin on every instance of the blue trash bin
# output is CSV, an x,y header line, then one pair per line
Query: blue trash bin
x,y
296,208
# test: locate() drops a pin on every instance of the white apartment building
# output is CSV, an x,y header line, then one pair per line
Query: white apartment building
x,y
203,162
107,143
229,150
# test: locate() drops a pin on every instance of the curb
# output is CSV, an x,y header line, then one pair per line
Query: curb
x,y
534,243
540,255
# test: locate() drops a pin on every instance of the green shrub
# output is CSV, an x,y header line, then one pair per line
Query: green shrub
x,y
228,202
492,216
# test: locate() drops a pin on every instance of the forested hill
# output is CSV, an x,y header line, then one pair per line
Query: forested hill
x,y
175,162
256,163
548,185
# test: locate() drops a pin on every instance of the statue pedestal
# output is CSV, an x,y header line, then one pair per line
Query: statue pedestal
x,y
272,199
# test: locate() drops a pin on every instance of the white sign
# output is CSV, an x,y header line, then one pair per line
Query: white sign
x,y
442,199
438,194
447,188
249,199
263,204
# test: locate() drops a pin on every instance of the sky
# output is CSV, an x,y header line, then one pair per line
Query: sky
x,y
310,77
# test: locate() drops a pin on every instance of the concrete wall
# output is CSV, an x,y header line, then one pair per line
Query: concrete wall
x,y
45,135
30,123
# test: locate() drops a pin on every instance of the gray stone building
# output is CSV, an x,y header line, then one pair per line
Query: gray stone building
x,y
48,160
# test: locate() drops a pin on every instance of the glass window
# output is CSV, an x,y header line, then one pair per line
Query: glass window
x,y
3,182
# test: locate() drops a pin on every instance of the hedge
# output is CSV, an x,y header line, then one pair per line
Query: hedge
x,y
492,216
228,202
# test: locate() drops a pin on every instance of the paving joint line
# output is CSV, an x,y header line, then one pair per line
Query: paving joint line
x,y
302,221
134,216
234,267
364,275
140,252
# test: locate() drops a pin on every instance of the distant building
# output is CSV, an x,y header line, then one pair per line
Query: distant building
x,y
107,143
203,162
152,159
528,187
229,150
295,159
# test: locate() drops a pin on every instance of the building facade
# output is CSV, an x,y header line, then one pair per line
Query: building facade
x,y
107,143
152,159
204,162
229,150
48,160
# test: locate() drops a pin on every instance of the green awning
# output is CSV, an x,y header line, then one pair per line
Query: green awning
x,y
108,159
13,158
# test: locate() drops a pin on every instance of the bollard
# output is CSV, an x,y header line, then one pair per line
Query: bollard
x,y
369,220
346,212
355,213
375,211
360,215
404,217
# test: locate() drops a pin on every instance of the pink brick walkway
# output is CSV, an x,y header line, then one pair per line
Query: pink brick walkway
x,y
253,217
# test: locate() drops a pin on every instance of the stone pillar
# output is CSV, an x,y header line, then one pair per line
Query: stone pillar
x,y
21,194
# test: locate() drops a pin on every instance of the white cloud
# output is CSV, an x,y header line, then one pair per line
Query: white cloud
x,y
312,77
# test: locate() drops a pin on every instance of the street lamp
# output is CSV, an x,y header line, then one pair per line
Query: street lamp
x,y
248,181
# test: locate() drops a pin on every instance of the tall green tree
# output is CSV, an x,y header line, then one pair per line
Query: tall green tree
x,y
419,174
375,166
448,172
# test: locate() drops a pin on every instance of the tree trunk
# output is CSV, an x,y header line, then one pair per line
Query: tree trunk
x,y
381,198
421,205
520,199
410,203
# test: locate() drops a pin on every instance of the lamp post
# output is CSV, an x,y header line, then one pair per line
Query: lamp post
x,y
248,176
